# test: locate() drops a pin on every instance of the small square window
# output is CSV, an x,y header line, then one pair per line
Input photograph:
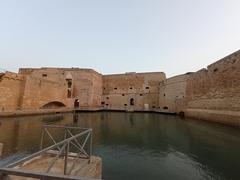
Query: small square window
x,y
44,75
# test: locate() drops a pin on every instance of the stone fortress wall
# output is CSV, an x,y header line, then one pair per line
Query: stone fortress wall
x,y
172,94
214,93
61,87
132,91
10,91
211,94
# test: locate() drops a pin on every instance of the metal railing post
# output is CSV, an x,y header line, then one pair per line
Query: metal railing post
x,y
66,158
90,148
42,137
65,133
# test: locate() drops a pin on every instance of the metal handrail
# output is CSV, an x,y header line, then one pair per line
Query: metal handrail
x,y
67,127
62,146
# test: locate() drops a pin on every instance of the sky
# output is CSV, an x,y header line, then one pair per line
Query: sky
x,y
118,36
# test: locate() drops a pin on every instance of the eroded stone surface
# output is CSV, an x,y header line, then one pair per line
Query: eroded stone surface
x,y
132,91
214,93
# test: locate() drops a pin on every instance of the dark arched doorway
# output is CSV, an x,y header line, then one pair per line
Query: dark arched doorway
x,y
132,102
53,105
76,103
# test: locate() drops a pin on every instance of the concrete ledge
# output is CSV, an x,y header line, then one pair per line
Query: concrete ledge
x,y
231,118
56,111
124,110
33,112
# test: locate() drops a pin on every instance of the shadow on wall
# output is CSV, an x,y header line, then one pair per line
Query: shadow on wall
x,y
53,105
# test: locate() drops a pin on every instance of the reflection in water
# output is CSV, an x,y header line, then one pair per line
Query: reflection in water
x,y
75,117
141,145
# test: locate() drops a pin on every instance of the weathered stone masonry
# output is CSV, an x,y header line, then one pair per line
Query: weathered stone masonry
x,y
10,91
211,94
214,93
172,94
61,87
132,91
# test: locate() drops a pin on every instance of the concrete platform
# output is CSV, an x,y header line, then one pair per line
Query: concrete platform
x,y
83,168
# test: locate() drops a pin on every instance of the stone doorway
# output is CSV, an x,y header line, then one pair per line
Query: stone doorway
x,y
132,102
76,103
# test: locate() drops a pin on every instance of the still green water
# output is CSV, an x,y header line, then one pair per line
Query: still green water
x,y
140,145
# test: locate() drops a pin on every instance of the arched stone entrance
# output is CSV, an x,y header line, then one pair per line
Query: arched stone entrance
x,y
53,105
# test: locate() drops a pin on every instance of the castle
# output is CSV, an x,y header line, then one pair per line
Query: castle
x,y
211,94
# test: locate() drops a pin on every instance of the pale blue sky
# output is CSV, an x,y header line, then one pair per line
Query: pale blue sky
x,y
117,36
